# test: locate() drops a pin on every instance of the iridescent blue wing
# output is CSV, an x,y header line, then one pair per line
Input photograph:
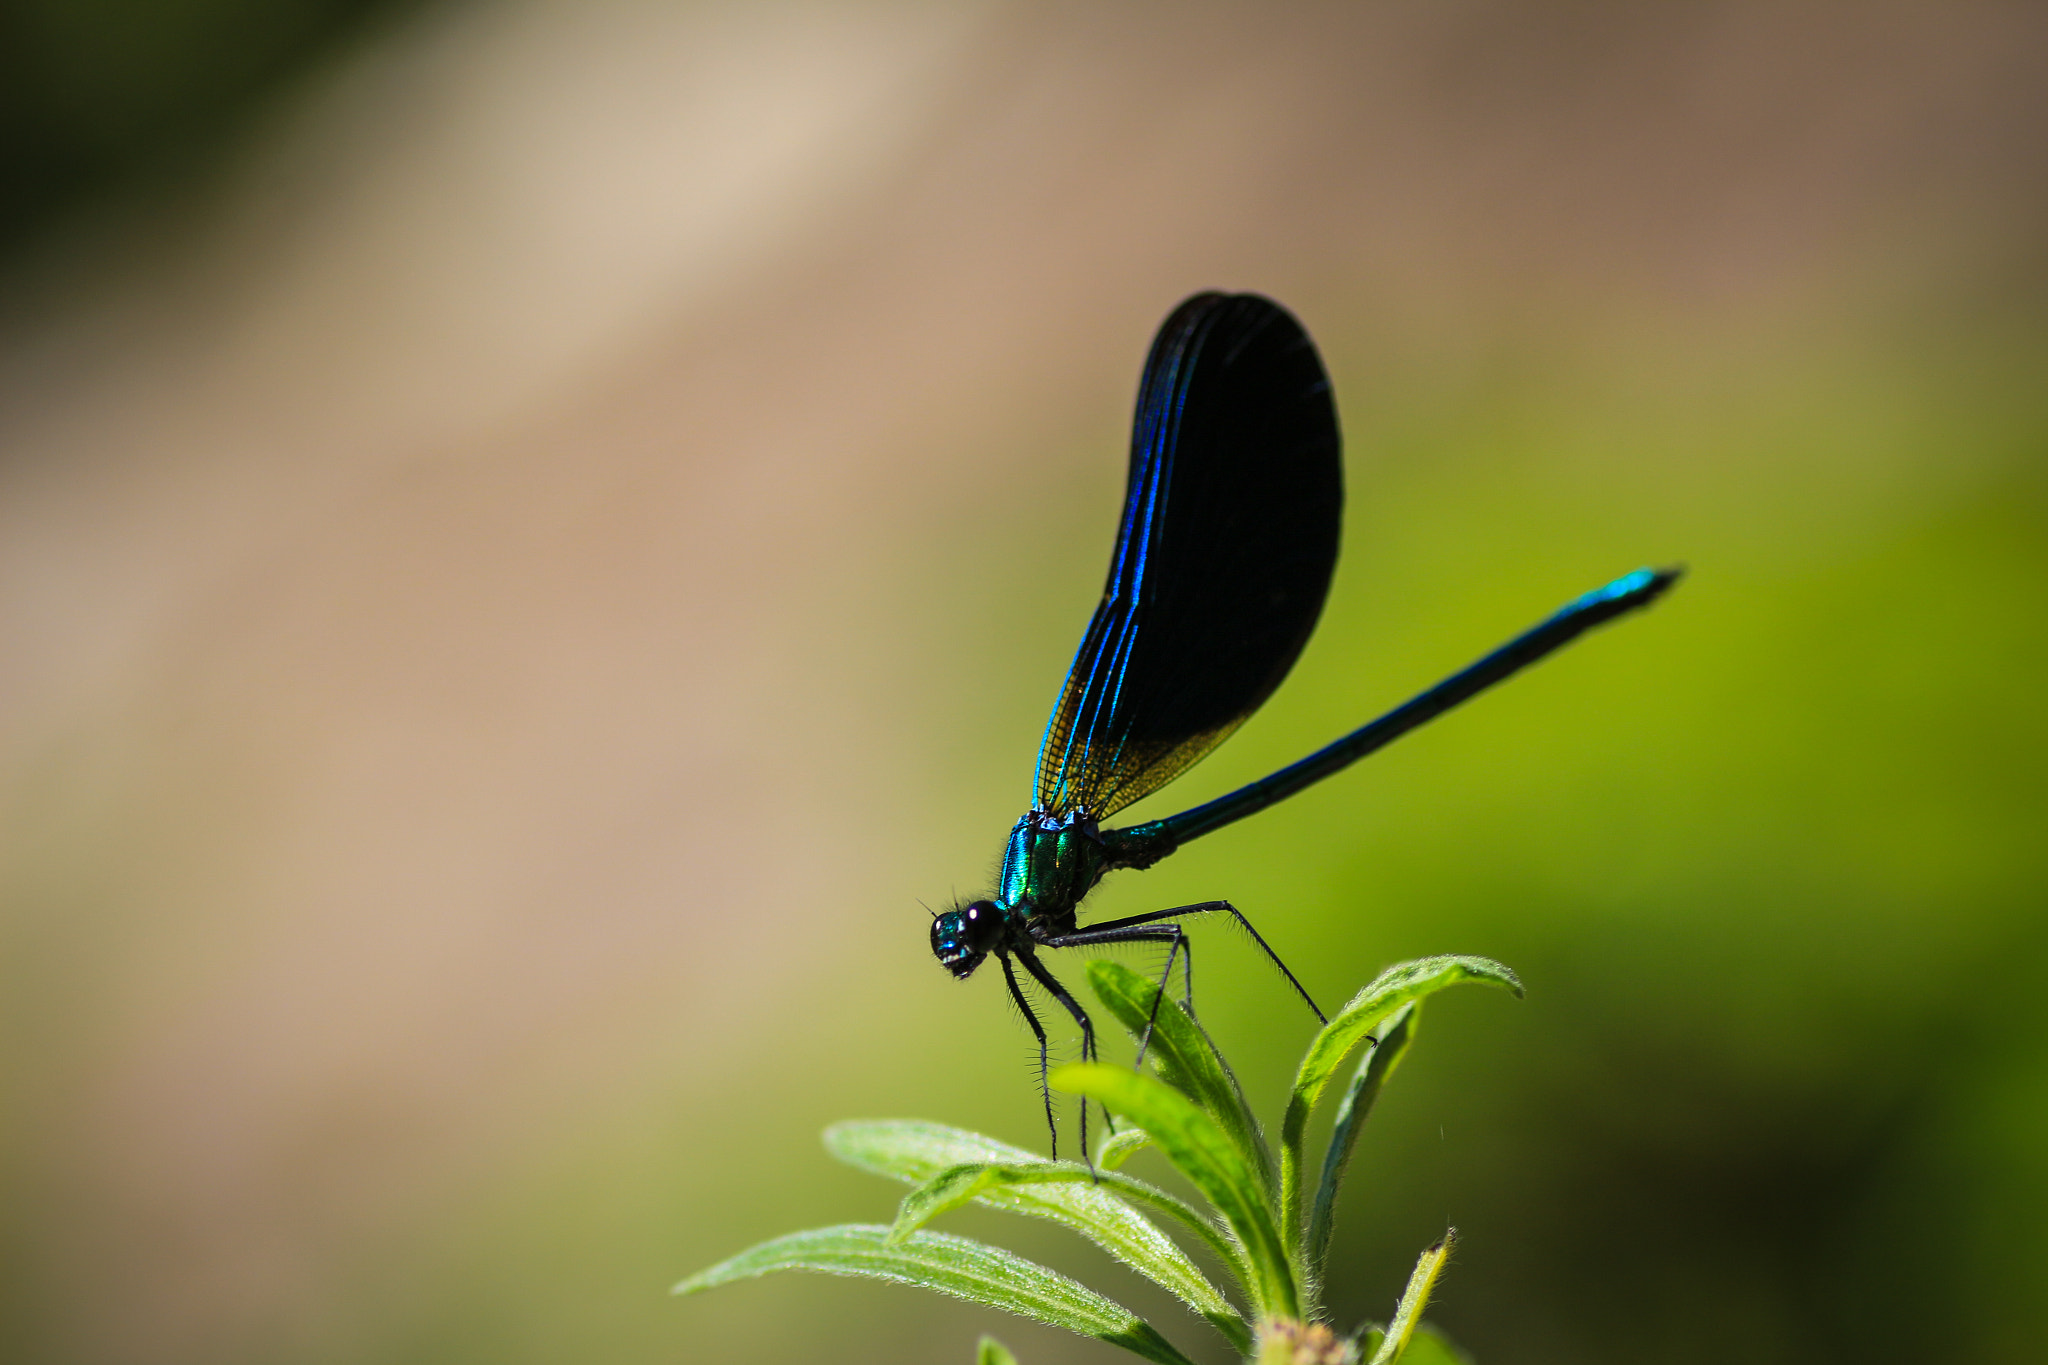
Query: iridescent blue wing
x,y
1222,560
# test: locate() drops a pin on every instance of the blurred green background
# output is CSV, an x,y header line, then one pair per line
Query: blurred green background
x,y
533,535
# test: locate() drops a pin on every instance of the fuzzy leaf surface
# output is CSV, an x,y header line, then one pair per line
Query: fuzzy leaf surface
x,y
952,1166
1414,1300
1201,1151
967,1183
1184,1056
950,1265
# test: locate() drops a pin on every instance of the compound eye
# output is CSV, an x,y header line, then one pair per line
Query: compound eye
x,y
983,924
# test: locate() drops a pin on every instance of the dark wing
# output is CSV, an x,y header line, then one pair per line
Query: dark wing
x,y
1222,561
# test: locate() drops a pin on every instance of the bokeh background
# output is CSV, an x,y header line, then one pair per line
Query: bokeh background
x,y
534,534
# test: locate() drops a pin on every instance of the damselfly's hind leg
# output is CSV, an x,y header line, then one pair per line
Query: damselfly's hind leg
x,y
1108,933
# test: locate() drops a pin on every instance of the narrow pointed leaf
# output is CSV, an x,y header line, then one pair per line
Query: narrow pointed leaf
x,y
951,1265
1408,1315
1390,990
958,1185
1120,1146
993,1352
1065,1193
1352,1110
944,1192
1200,1149
1184,1056
969,1182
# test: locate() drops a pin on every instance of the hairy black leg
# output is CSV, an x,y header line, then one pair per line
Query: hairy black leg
x,y
1059,993
1044,1090
1172,935
1204,908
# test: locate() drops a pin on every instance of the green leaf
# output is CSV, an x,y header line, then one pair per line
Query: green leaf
x,y
951,1265
1184,1056
952,1166
993,1352
958,1185
1120,1146
1427,1347
1430,1347
1390,990
1200,1149
1373,1070
1408,1313
944,1192
974,1181
914,1151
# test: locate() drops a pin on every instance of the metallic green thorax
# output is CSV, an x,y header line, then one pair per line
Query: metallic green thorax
x,y
1052,861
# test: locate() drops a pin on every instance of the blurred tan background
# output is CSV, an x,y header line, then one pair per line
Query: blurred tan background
x,y
534,534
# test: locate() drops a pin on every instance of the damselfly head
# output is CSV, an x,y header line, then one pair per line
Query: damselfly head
x,y
962,937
